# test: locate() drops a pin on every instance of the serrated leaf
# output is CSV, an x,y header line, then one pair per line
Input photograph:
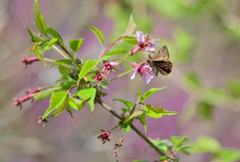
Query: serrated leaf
x,y
116,51
147,94
44,94
39,53
68,108
52,42
75,44
87,66
40,23
134,115
143,121
34,36
55,101
64,61
86,94
157,112
77,104
58,111
97,32
131,26
127,103
55,34
130,40
64,70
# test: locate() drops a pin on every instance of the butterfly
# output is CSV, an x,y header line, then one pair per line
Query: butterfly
x,y
160,62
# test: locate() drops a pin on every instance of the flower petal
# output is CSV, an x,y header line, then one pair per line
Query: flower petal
x,y
135,72
140,37
153,44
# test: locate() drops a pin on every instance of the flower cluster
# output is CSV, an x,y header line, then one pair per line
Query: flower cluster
x,y
105,136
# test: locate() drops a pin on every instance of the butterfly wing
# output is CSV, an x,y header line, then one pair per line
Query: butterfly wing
x,y
162,54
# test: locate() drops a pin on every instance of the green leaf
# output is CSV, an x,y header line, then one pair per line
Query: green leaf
x,y
67,85
34,36
64,61
55,101
143,121
87,66
234,88
77,104
116,51
64,70
177,141
39,53
44,94
52,42
40,23
55,34
75,44
207,144
97,32
127,128
127,103
86,94
181,148
58,111
158,112
147,94
229,154
162,144
206,110
131,26
135,114
130,40
68,108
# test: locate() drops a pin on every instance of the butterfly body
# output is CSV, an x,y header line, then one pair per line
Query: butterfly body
x,y
160,62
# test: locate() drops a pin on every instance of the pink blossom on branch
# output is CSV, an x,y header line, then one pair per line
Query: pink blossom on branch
x,y
29,61
145,72
109,66
105,136
144,43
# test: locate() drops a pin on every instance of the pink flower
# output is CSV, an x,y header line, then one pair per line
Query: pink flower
x,y
105,136
19,101
143,43
117,146
145,72
99,76
109,66
29,61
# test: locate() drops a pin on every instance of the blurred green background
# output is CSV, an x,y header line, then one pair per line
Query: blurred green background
x,y
202,37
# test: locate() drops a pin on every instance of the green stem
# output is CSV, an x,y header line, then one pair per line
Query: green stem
x,y
49,60
126,72
134,107
59,51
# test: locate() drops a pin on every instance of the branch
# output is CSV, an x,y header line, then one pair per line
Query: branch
x,y
105,106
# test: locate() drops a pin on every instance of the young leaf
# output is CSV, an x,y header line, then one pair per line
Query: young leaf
x,y
77,104
135,114
127,103
39,53
87,66
127,128
40,23
58,111
143,121
181,148
177,141
85,94
34,36
131,26
64,61
55,101
158,112
64,70
67,85
147,94
55,34
75,44
52,42
116,51
44,94
97,32
68,108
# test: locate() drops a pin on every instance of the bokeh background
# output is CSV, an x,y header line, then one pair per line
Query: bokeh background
x,y
202,37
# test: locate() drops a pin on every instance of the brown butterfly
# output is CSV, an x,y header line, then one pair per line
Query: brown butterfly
x,y
160,62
